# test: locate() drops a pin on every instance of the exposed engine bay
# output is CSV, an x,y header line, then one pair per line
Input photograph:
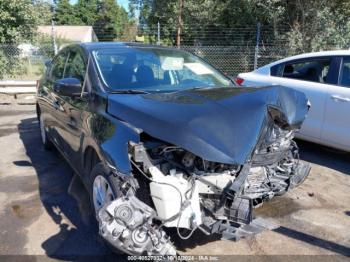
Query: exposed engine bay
x,y
172,187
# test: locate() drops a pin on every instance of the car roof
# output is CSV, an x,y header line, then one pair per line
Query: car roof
x,y
314,54
102,45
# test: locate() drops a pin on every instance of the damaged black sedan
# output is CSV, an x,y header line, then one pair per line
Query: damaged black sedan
x,y
163,140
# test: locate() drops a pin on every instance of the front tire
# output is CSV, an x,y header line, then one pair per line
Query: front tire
x,y
103,187
102,181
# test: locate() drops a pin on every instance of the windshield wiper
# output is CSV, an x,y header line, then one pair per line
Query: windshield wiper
x,y
129,91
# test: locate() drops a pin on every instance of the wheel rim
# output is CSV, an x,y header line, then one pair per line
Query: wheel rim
x,y
102,192
42,130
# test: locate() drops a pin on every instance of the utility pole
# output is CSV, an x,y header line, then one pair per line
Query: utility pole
x,y
256,55
158,34
179,24
53,32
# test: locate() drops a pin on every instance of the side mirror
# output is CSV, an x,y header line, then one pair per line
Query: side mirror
x,y
68,87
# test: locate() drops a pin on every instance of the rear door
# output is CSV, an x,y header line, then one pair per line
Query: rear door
x,y
336,128
56,116
313,77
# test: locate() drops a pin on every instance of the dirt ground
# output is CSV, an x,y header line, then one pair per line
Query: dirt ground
x,y
39,217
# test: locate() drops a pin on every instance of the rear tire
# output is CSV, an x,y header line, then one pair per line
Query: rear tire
x,y
47,144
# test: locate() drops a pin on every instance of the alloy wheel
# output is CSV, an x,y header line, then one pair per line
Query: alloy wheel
x,y
102,192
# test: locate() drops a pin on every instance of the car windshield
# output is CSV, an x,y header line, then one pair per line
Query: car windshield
x,y
155,69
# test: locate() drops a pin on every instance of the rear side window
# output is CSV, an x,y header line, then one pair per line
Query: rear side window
x,y
313,70
345,72
277,70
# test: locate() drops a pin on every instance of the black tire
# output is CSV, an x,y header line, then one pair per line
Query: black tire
x,y
100,169
46,142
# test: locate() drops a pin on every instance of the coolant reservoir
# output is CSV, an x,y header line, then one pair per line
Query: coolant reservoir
x,y
167,199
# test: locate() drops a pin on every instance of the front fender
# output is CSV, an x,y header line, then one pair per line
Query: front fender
x,y
111,136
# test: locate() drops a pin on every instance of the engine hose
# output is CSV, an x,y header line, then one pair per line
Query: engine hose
x,y
178,230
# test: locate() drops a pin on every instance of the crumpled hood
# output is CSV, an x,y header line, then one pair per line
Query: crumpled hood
x,y
217,124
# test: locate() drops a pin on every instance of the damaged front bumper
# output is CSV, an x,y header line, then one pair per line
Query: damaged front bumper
x,y
178,189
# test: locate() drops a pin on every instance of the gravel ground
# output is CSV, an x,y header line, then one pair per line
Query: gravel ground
x,y
39,217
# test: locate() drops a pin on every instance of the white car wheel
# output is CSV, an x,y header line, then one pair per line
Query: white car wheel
x,y
101,192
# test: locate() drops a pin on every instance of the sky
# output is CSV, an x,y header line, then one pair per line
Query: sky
x,y
123,3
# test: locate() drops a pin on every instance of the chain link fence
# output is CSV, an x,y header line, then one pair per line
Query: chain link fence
x,y
232,50
230,60
233,60
21,62
28,62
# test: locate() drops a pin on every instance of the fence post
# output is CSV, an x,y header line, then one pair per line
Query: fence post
x,y
54,45
53,33
158,34
256,55
179,24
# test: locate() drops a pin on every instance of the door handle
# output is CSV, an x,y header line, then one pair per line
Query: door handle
x,y
340,98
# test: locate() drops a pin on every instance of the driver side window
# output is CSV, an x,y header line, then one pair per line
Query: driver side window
x,y
76,67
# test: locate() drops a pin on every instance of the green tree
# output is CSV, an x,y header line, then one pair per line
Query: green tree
x,y
87,11
199,19
18,24
66,14
318,25
18,21
305,25
111,20
108,19
43,9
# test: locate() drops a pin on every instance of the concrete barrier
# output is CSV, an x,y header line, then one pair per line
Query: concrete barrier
x,y
17,83
13,87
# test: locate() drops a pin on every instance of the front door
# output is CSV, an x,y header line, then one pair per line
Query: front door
x,y
74,108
